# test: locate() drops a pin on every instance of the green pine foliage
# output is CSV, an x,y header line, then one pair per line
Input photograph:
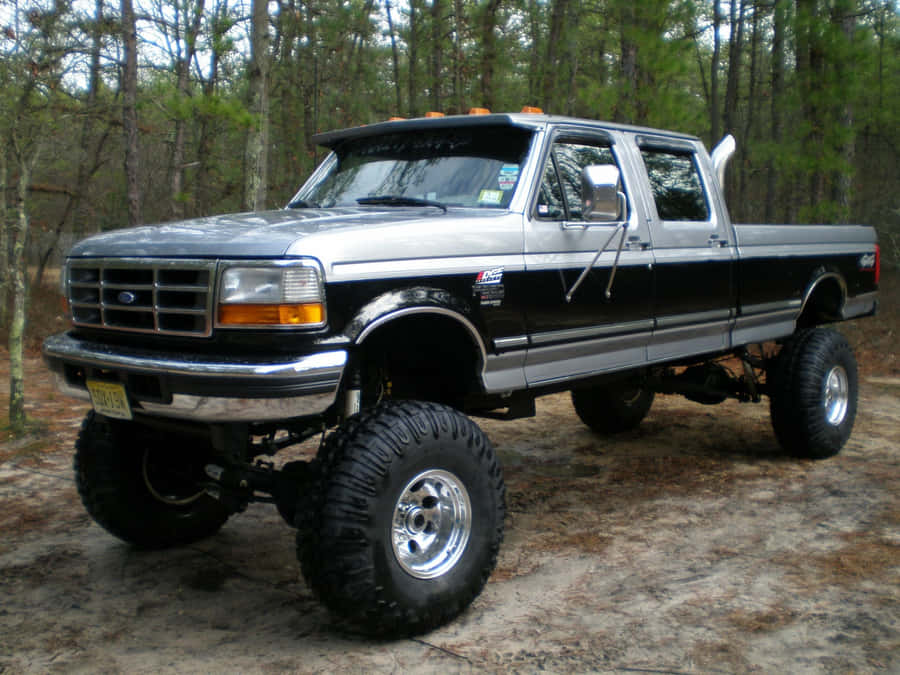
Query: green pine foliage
x,y
835,156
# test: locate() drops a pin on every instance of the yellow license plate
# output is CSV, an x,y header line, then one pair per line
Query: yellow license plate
x,y
110,399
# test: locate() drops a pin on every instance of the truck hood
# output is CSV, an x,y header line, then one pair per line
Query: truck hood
x,y
245,235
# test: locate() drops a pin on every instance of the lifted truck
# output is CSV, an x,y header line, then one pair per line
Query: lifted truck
x,y
429,269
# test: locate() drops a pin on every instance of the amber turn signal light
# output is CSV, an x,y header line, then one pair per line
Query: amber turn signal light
x,y
272,315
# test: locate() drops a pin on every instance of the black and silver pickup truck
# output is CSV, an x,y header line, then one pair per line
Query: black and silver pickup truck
x,y
431,269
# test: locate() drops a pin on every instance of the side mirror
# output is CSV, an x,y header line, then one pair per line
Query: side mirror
x,y
602,200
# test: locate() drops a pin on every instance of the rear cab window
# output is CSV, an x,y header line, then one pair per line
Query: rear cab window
x,y
675,183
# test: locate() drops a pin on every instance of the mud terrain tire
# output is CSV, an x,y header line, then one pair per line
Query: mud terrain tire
x,y
119,467
814,392
406,520
613,408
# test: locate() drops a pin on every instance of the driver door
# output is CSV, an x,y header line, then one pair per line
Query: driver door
x,y
590,331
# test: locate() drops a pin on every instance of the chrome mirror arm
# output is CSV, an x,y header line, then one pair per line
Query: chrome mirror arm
x,y
621,226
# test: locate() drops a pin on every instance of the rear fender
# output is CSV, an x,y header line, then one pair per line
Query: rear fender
x,y
825,295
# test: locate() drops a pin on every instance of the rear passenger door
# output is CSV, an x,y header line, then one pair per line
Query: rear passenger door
x,y
694,294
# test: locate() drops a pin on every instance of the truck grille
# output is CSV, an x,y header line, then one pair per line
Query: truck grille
x,y
144,296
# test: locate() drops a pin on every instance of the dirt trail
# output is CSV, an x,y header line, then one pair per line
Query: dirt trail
x,y
689,545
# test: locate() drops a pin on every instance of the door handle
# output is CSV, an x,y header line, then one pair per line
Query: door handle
x,y
715,242
634,242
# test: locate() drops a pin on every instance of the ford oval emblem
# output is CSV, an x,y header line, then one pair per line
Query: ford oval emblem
x,y
127,297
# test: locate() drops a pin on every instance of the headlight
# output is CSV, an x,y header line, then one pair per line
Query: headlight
x,y
271,294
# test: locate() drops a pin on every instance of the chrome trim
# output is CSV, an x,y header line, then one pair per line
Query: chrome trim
x,y
409,311
219,408
689,340
762,327
327,366
426,266
862,304
772,307
591,332
810,246
715,315
511,342
842,286
156,267
570,361
505,373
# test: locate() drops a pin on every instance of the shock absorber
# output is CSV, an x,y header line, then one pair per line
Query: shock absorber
x,y
353,390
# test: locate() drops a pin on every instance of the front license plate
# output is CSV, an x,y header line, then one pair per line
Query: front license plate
x,y
110,399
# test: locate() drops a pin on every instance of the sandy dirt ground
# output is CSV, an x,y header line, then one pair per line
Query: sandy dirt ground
x,y
688,546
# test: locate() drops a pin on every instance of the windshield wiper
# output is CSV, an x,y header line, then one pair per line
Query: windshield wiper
x,y
302,204
399,200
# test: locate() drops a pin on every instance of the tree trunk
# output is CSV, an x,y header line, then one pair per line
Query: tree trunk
x,y
183,92
779,24
205,144
536,94
715,111
735,56
5,227
627,107
256,154
458,65
17,325
844,18
129,114
412,48
751,117
810,71
551,62
488,52
88,162
574,52
395,56
437,51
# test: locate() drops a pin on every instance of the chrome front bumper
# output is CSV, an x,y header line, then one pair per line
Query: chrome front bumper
x,y
198,388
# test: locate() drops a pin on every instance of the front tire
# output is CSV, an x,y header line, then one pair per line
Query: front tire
x,y
814,392
408,518
142,486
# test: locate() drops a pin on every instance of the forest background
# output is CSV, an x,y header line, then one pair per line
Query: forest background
x,y
119,112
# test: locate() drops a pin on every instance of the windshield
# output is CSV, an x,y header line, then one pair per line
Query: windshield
x,y
474,167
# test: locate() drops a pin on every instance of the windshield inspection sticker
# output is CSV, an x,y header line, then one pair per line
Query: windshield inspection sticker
x,y
494,197
488,287
509,174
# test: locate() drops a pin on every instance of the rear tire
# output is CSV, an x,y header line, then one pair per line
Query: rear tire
x,y
143,486
407,520
813,394
613,408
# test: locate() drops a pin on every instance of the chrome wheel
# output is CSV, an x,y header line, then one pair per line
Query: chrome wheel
x,y
837,395
431,524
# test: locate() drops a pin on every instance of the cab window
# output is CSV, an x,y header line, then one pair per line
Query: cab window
x,y
559,197
675,182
